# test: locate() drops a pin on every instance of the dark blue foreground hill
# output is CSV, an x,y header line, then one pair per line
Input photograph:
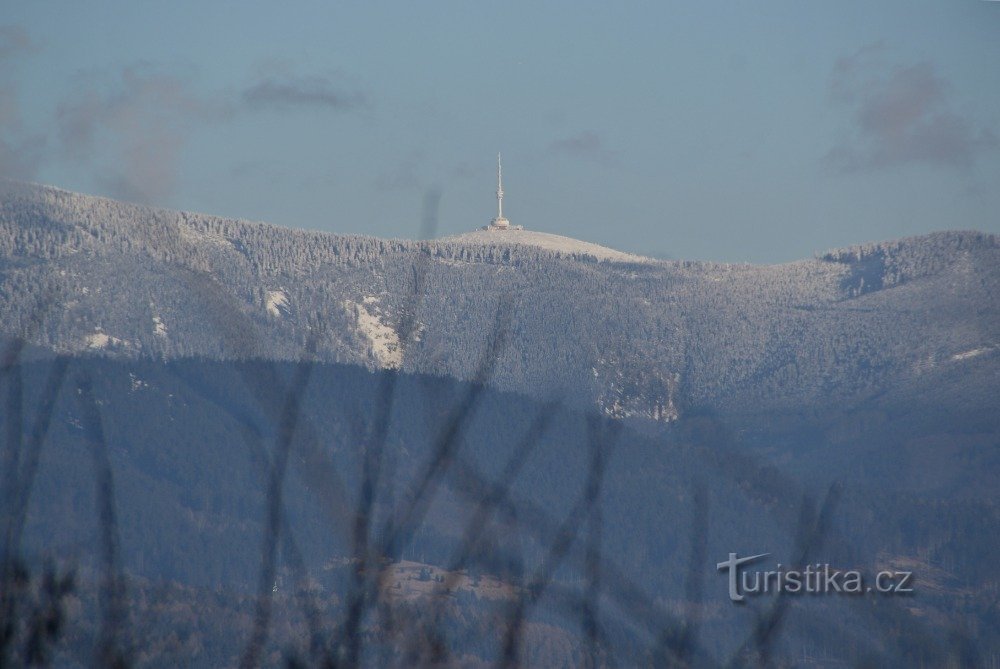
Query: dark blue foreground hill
x,y
191,448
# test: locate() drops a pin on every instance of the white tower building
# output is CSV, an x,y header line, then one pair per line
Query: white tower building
x,y
499,223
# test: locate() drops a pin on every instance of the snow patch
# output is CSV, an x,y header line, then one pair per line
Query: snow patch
x,y
97,340
924,364
412,581
159,328
972,354
382,339
137,383
101,340
192,235
548,242
277,303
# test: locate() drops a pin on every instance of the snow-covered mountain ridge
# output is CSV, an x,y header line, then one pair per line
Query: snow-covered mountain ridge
x,y
638,337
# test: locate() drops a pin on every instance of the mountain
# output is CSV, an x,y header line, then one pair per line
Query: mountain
x,y
635,336
221,439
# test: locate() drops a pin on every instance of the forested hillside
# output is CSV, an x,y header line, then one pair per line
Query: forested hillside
x,y
178,502
635,337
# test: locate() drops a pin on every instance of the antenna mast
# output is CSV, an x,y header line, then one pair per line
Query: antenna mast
x,y
500,223
499,189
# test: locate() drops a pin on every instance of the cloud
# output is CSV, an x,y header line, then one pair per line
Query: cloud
x,y
129,127
21,159
21,152
900,115
132,127
585,145
287,91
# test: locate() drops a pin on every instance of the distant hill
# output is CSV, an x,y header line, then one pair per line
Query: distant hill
x,y
635,336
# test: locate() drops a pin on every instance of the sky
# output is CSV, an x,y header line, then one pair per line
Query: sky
x,y
735,131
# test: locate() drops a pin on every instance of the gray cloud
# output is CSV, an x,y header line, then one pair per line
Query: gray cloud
x,y
21,159
129,127
900,115
132,128
582,145
21,153
286,91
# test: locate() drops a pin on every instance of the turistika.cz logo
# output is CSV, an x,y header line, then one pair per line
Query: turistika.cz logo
x,y
812,579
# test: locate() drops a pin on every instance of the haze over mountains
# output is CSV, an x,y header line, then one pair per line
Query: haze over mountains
x,y
636,336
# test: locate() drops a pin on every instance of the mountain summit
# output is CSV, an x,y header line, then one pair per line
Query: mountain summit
x,y
544,240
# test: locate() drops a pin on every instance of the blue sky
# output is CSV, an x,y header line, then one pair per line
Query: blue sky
x,y
739,131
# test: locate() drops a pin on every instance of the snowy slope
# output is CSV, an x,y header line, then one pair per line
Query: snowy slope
x,y
547,241
635,336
